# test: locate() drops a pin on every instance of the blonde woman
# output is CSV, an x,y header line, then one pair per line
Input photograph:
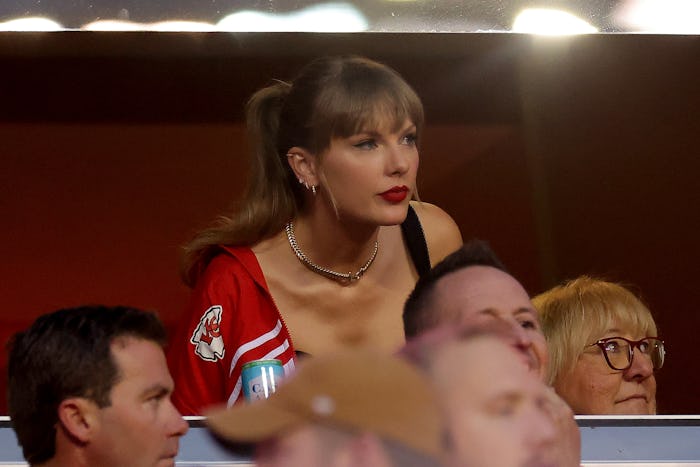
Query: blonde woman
x,y
604,347
327,243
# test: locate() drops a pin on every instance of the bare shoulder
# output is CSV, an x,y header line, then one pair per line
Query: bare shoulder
x,y
441,231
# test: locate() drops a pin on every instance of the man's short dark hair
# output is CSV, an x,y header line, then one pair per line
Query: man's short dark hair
x,y
67,354
418,313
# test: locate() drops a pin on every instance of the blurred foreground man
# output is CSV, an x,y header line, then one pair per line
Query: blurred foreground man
x,y
471,287
89,386
495,408
347,410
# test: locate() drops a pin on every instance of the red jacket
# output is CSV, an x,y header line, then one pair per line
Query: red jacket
x,y
231,319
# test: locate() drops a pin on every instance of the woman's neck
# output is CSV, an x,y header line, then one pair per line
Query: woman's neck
x,y
334,243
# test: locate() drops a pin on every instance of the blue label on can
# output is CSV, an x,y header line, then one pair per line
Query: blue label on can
x,y
260,378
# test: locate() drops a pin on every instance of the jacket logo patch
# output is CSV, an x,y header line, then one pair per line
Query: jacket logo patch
x,y
209,344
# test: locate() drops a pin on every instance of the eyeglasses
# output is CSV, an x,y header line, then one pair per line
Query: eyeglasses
x,y
619,351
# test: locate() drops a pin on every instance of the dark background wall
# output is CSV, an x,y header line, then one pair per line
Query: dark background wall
x,y
570,155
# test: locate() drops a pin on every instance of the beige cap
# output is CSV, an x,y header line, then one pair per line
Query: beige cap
x,y
356,390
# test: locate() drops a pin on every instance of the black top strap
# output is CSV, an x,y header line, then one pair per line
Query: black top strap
x,y
415,241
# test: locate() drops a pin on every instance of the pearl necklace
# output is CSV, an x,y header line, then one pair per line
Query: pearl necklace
x,y
338,276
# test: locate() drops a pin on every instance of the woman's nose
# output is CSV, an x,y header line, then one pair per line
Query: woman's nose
x,y
398,160
641,367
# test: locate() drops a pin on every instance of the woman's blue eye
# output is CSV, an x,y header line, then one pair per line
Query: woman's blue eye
x,y
410,139
366,144
612,346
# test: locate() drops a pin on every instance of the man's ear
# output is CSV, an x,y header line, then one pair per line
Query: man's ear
x,y
79,417
304,166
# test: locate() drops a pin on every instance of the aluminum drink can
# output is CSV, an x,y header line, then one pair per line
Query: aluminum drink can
x,y
260,378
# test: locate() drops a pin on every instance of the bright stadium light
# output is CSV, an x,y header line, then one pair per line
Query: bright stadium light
x,y
550,22
30,24
661,16
329,17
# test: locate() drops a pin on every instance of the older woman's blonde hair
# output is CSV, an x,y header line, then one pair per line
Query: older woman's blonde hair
x,y
579,312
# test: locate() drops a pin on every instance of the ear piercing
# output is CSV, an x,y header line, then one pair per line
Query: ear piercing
x,y
312,187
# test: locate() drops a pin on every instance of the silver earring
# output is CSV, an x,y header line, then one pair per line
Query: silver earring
x,y
301,181
313,189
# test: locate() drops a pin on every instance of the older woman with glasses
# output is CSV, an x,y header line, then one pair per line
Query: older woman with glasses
x,y
604,347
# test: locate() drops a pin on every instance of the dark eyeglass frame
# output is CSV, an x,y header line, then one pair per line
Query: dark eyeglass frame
x,y
602,343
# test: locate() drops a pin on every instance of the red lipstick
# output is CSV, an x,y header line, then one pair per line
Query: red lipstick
x,y
395,194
